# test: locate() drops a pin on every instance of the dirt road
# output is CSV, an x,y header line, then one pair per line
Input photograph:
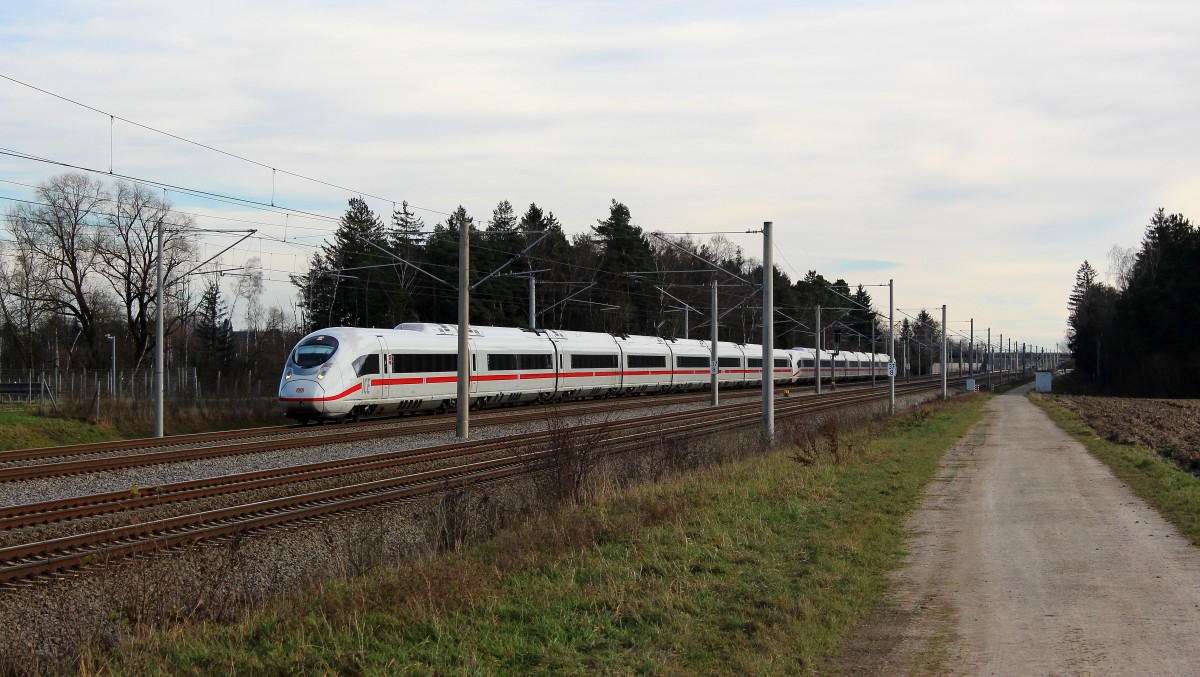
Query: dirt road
x,y
1032,559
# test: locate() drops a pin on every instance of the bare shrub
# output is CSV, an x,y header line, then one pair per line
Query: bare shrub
x,y
463,516
808,449
573,456
829,431
366,547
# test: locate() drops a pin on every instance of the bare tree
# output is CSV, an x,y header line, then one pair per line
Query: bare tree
x,y
20,311
56,238
250,287
1120,266
129,259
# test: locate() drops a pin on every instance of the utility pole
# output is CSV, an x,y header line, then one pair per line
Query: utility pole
x,y
944,370
462,421
817,342
158,341
891,347
768,344
714,363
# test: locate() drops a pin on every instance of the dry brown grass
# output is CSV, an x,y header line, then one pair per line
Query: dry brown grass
x,y
136,418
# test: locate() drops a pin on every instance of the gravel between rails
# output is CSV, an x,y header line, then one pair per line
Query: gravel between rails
x,y
43,627
48,489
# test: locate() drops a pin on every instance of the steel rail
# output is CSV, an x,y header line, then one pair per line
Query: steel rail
x,y
23,515
485,417
48,557
72,467
308,438
34,559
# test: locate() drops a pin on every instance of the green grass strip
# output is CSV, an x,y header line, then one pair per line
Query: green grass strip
x,y
1169,489
22,428
756,567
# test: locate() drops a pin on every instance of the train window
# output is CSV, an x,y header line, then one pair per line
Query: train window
x,y
826,363
807,363
424,362
367,365
511,362
499,362
537,361
727,362
314,351
692,362
593,361
754,362
647,361
781,362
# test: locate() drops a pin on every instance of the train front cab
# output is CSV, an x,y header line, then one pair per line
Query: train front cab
x,y
309,388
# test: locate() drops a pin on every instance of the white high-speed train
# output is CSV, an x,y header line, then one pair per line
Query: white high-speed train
x,y
348,372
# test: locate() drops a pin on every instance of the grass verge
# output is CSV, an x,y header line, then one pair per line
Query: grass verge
x,y
1169,489
755,567
22,428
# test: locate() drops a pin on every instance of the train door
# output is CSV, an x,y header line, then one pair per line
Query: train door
x,y
379,384
472,367
557,361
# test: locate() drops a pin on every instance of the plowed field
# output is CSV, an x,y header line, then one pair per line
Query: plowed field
x,y
1170,427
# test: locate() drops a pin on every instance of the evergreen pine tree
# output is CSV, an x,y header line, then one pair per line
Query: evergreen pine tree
x,y
349,281
213,331
624,250
406,240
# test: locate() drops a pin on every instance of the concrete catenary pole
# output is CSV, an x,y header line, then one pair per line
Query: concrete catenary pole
x,y
817,344
891,347
971,351
158,340
532,302
768,344
873,349
944,369
988,354
716,398
462,429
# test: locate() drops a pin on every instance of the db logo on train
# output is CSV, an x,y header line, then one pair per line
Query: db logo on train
x,y
299,390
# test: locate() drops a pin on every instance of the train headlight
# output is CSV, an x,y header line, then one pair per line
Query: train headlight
x,y
321,374
287,374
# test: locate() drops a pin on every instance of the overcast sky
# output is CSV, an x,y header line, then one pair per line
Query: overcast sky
x,y
977,153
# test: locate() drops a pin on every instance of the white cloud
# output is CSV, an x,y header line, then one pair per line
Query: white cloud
x,y
982,146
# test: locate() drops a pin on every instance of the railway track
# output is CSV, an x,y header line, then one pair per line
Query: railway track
x,y
29,464
13,465
519,454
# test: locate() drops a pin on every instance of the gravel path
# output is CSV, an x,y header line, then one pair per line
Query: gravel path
x,y
1032,559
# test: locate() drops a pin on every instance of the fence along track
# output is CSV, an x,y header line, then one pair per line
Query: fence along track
x,y
50,558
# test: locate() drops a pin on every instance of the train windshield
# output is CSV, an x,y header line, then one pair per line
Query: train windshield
x,y
314,351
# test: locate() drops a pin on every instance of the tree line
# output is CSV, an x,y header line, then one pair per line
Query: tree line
x,y
79,266
1137,336
614,277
